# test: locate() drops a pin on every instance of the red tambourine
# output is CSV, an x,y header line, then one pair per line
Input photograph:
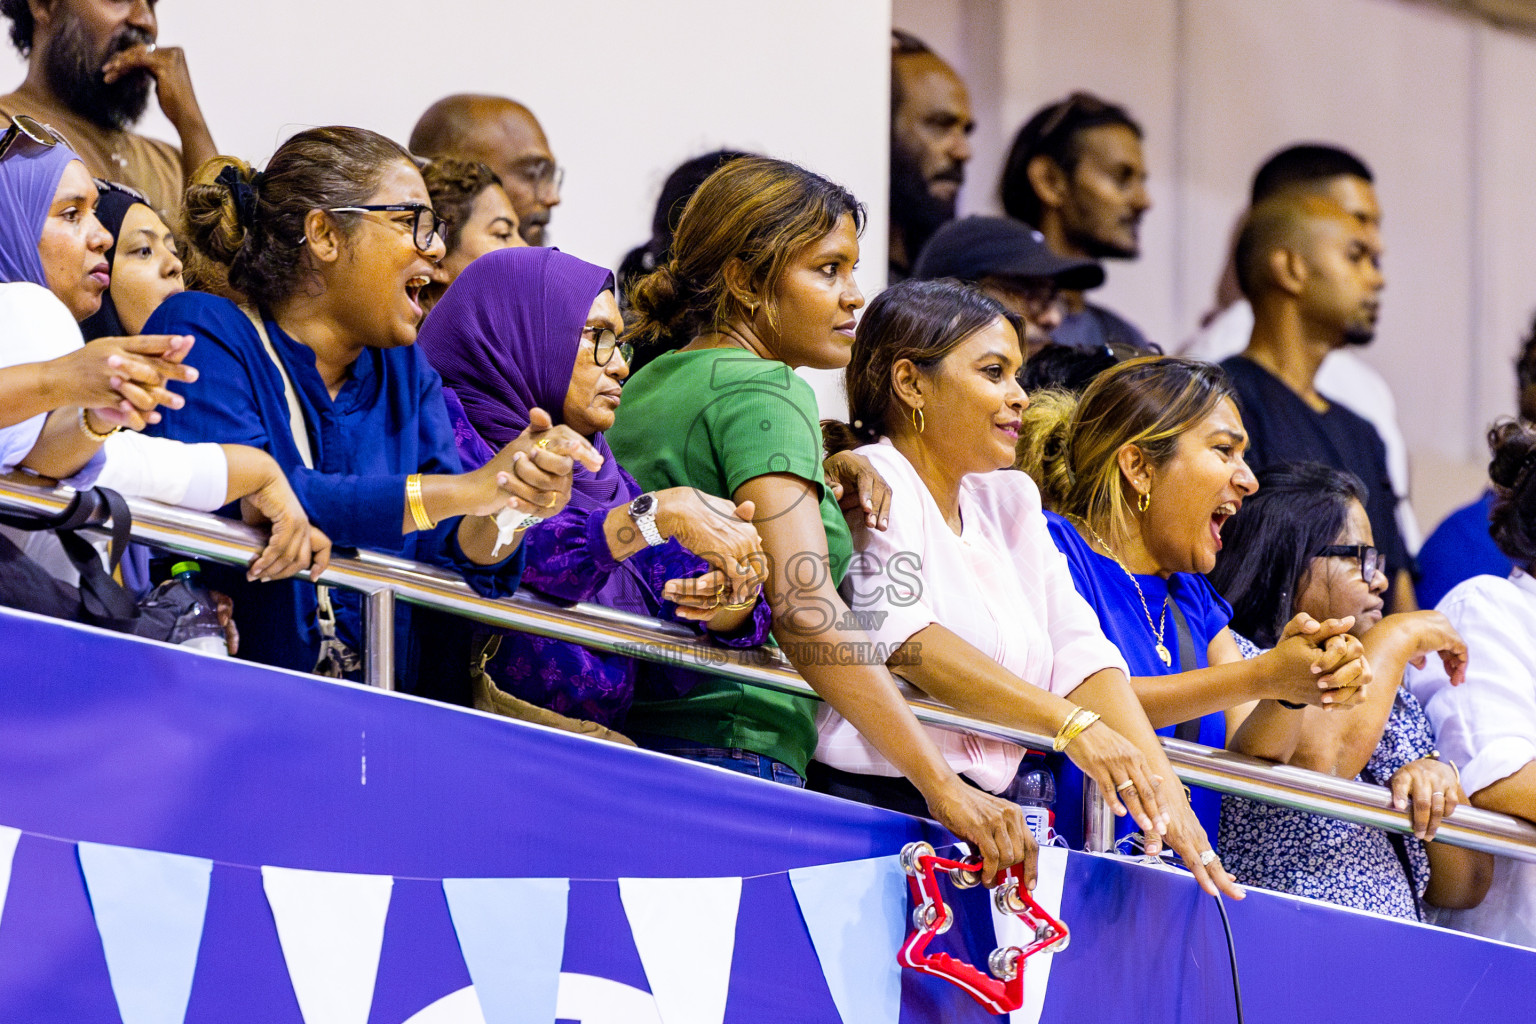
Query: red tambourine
x,y
1002,989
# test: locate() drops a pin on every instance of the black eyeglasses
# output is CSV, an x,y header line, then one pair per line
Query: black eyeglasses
x,y
34,131
605,343
426,226
1370,559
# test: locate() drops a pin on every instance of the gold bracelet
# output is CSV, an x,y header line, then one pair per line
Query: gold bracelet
x,y
1077,721
417,506
90,432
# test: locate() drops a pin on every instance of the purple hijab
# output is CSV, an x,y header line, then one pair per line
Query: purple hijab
x,y
505,337
29,176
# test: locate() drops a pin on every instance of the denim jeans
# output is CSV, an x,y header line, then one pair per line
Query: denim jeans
x,y
733,758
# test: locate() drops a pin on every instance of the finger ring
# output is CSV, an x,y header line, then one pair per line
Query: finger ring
x,y
1207,857
150,48
551,502
544,442
1440,795
1127,784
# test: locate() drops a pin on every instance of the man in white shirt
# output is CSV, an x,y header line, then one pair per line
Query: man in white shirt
x,y
1344,376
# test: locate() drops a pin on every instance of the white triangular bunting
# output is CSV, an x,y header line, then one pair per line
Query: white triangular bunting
x,y
149,909
685,932
856,912
331,927
512,934
9,837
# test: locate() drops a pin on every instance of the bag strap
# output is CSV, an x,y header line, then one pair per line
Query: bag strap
x,y
296,425
336,658
1189,730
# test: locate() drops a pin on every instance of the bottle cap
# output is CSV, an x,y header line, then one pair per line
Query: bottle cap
x,y
181,567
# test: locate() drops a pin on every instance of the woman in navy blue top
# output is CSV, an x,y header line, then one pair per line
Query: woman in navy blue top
x,y
1142,472
333,244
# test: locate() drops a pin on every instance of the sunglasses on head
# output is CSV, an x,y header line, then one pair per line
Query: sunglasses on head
x,y
34,131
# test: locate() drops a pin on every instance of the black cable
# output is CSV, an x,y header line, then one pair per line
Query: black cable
x,y
1226,924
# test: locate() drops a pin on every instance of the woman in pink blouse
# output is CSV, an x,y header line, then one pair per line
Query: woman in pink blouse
x,y
964,595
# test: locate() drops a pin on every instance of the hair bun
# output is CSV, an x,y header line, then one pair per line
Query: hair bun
x,y
219,208
1514,453
659,305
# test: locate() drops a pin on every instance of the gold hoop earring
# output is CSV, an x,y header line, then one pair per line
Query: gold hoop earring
x,y
917,420
1144,502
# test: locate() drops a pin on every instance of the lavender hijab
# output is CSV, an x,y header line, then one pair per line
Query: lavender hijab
x,y
505,337
29,176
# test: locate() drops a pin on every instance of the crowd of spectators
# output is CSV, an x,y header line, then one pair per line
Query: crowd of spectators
x,y
1030,513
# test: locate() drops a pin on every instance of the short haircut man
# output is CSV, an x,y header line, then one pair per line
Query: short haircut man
x,y
931,124
1310,270
505,136
1076,172
91,66
1010,262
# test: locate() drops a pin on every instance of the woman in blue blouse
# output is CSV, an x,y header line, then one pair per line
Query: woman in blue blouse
x,y
332,246
1141,473
529,328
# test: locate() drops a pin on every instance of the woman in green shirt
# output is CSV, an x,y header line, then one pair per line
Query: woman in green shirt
x,y
760,280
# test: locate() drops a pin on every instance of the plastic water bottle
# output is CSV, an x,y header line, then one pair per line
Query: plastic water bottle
x,y
197,626
1034,790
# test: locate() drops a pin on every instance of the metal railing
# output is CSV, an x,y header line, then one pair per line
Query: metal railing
x,y
384,579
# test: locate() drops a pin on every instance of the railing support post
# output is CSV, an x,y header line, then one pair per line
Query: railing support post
x,y
379,646
1098,821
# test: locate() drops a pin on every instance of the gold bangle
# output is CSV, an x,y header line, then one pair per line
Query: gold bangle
x,y
1077,721
417,506
90,432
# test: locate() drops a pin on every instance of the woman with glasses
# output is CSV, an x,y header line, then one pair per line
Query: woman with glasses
x,y
1140,474
53,260
1303,544
536,328
332,245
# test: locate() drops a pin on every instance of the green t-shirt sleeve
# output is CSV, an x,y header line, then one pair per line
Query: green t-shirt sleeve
x,y
764,421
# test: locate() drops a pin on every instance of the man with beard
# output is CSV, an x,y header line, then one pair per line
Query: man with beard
x,y
1310,270
90,67
506,137
930,143
1337,174
1075,171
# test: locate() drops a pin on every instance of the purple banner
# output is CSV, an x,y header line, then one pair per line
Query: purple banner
x,y
114,740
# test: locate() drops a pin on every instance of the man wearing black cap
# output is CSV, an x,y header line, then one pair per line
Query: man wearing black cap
x,y
1012,263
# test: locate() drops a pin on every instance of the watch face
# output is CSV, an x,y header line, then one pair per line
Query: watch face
x,y
642,505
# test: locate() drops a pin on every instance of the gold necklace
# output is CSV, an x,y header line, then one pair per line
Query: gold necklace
x,y
1161,625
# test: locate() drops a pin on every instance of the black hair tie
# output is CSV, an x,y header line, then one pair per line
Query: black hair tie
x,y
243,194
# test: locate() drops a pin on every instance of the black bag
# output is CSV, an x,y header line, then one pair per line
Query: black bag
x,y
99,600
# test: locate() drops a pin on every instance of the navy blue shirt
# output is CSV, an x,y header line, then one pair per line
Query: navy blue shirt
x,y
1108,588
1459,549
388,421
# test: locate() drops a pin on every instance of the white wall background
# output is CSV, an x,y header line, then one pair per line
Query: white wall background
x,y
1438,104
625,90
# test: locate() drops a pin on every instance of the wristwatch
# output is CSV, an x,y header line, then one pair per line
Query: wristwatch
x,y
643,511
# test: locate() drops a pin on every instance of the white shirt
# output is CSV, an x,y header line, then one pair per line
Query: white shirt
x,y
35,327
1001,586
1487,727
1343,377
